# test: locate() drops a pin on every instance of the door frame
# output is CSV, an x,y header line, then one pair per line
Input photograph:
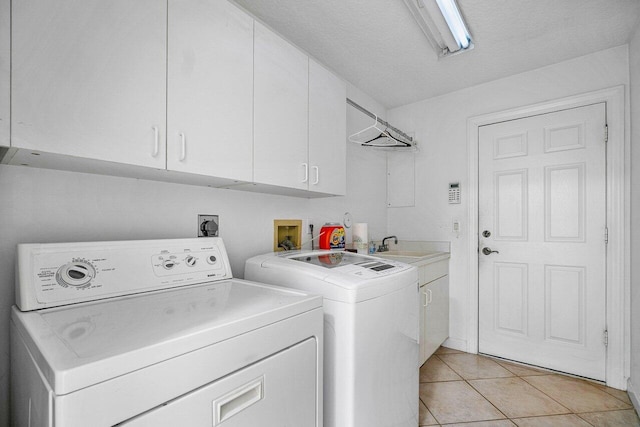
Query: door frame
x,y
618,220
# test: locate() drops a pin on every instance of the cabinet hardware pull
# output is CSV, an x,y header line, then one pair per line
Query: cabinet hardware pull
x,y
306,172
183,146
426,299
429,296
156,141
317,169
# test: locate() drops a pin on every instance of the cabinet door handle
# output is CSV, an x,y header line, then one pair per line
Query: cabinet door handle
x,y
156,141
429,296
306,172
426,299
317,169
183,146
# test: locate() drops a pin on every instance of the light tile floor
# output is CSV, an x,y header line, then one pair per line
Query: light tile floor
x,y
461,389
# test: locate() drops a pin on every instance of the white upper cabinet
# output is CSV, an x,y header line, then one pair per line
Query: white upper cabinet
x,y
327,131
281,84
192,90
89,79
210,89
5,55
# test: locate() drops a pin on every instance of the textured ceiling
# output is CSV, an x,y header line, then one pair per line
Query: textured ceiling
x,y
377,46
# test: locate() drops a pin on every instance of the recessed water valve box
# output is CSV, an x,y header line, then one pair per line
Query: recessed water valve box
x,y
208,225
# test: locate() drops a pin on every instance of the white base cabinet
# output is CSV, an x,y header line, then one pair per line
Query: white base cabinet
x,y
434,307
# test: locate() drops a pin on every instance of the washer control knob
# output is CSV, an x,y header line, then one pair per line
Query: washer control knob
x,y
190,260
211,259
169,264
77,274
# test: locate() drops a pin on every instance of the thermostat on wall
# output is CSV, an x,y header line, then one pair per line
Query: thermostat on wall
x,y
454,192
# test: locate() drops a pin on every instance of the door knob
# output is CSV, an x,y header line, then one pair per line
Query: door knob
x,y
488,251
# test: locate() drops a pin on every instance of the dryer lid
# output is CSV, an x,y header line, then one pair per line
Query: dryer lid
x,y
80,345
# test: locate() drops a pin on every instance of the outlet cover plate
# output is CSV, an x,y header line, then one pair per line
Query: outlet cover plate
x,y
208,225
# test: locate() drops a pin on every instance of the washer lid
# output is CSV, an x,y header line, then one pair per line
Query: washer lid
x,y
336,275
80,345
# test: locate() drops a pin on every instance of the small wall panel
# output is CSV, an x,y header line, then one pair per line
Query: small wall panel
x,y
511,197
565,303
510,146
564,203
569,137
510,297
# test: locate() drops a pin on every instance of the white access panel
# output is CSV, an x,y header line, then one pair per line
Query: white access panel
x,y
278,391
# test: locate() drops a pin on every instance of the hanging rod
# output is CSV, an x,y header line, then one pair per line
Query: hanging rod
x,y
382,122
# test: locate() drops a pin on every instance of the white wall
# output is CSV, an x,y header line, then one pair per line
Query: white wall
x,y
440,125
38,205
634,72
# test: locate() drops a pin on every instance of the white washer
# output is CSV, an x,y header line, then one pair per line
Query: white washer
x,y
370,331
158,333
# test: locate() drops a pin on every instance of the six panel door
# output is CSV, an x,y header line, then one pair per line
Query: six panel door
x,y
542,220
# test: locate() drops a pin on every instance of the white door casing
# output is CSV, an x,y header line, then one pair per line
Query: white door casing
x,y
542,295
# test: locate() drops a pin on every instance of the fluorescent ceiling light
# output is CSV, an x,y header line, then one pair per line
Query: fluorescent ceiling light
x,y
442,23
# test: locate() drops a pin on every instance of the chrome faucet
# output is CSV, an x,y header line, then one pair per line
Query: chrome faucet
x,y
384,247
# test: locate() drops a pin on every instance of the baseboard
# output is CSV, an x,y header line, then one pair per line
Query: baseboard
x,y
456,344
634,395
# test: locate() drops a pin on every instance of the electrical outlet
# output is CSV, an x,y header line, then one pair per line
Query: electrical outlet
x,y
208,225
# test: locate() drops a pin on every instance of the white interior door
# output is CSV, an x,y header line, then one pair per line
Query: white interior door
x,y
542,209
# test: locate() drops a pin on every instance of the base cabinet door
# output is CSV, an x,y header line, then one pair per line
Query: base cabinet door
x,y
434,316
88,79
210,89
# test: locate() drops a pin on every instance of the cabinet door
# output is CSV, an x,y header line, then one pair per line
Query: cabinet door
x,y
423,308
281,84
89,78
436,316
210,89
327,131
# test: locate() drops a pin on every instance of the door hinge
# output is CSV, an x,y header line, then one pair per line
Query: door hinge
x,y
606,133
606,235
606,338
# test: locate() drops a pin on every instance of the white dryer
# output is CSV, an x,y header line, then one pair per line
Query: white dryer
x,y
370,331
158,333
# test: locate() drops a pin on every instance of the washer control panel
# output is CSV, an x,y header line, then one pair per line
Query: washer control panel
x,y
55,274
167,263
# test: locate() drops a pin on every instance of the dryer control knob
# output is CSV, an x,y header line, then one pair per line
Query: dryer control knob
x,y
77,273
211,259
190,261
169,264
